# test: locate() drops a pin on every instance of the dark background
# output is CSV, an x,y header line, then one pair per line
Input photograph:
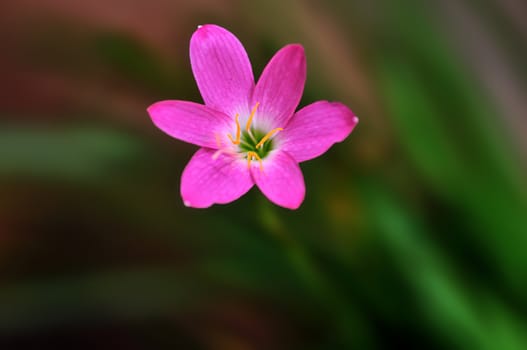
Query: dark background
x,y
413,232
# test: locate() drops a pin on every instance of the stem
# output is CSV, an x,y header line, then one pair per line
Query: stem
x,y
320,286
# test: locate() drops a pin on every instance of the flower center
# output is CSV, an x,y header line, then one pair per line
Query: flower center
x,y
254,144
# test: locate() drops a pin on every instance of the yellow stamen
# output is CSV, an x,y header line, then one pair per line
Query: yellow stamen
x,y
238,131
267,137
218,140
254,155
249,155
250,120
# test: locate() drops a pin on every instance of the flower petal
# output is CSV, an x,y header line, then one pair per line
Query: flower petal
x,y
281,180
190,122
280,86
315,128
207,180
222,69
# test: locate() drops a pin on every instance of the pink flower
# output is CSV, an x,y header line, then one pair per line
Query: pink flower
x,y
249,134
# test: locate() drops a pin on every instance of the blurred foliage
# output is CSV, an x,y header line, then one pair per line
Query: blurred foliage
x,y
412,233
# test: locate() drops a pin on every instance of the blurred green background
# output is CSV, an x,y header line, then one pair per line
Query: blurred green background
x,y
413,232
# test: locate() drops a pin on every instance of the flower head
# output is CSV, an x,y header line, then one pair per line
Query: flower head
x,y
248,133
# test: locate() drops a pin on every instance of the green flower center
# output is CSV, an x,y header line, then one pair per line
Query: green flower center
x,y
256,144
250,140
